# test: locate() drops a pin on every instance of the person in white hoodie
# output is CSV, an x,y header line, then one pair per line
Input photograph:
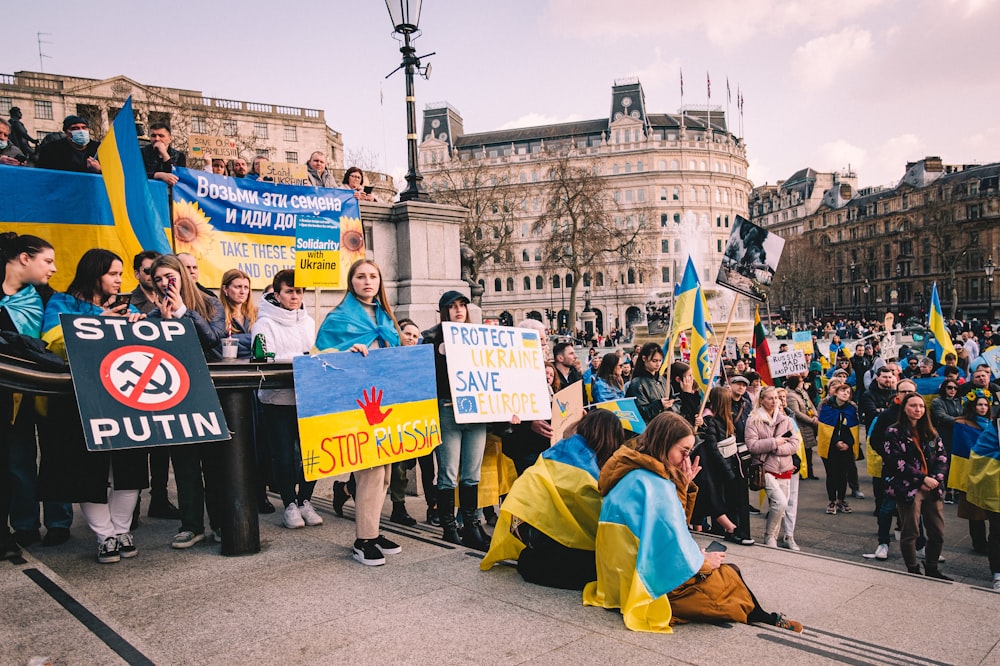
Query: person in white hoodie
x,y
288,331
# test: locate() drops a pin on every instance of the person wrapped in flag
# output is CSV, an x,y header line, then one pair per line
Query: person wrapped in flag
x,y
648,564
984,489
548,523
966,431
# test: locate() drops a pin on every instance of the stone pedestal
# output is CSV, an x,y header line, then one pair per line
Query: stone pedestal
x,y
587,321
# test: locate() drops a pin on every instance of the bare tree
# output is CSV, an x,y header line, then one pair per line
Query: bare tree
x,y
944,243
802,276
584,227
494,200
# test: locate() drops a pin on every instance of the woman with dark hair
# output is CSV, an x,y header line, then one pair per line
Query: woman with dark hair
x,y
548,523
648,386
607,383
354,179
460,454
805,416
915,469
197,467
687,397
966,430
26,264
716,471
363,320
648,564
945,410
238,308
105,483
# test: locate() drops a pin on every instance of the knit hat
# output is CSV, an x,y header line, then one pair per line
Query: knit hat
x,y
74,120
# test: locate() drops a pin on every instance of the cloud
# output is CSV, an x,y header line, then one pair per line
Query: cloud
x,y
535,119
823,61
726,23
882,165
972,7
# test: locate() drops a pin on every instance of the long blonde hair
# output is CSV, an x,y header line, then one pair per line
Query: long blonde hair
x,y
382,299
192,296
247,309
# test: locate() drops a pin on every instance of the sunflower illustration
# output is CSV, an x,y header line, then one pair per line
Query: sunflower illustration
x,y
192,231
352,241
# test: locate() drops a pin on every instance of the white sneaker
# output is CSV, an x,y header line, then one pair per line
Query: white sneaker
x,y
996,584
309,514
771,542
882,552
789,543
292,518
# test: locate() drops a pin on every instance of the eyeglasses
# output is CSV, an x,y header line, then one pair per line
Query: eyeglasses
x,y
146,271
950,388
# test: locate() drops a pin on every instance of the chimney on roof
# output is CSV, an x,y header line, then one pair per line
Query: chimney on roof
x,y
845,191
933,164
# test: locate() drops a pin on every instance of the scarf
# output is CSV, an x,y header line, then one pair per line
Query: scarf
x,y
25,310
350,323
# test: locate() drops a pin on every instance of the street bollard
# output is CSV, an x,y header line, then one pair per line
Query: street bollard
x,y
240,529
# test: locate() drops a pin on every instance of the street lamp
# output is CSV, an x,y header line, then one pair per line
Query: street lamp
x,y
405,16
865,289
989,286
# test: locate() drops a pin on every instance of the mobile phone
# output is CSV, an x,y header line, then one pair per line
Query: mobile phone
x,y
120,300
716,546
171,281
368,189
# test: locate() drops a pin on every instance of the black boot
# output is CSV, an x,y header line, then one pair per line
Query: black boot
x,y
400,516
432,515
446,512
473,535
340,496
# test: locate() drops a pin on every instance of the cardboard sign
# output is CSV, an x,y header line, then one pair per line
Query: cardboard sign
x,y
787,363
141,384
495,373
750,259
283,173
992,358
321,244
627,412
803,340
567,407
732,350
358,412
222,147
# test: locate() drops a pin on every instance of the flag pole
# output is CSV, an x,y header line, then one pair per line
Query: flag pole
x,y
718,355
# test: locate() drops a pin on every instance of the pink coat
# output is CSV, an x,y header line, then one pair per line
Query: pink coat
x,y
762,432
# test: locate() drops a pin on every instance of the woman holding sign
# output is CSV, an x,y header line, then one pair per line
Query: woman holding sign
x,y
363,321
460,454
105,483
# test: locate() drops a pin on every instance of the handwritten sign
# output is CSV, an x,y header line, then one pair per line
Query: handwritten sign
x,y
217,146
358,412
787,363
992,358
283,173
567,406
495,373
731,348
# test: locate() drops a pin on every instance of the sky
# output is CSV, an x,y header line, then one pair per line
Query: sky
x,y
865,84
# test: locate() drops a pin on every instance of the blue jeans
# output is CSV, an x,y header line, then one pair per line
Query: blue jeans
x,y
24,474
460,453
281,429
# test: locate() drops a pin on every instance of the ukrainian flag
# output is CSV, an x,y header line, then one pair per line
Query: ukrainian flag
x,y
644,551
984,471
682,317
557,495
627,413
942,338
138,220
702,365
829,417
963,438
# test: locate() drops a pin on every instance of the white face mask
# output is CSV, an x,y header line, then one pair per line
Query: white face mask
x,y
80,137
3,145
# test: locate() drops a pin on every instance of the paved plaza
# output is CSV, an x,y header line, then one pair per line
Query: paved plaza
x,y
304,600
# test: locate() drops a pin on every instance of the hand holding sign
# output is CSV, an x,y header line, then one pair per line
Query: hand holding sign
x,y
372,407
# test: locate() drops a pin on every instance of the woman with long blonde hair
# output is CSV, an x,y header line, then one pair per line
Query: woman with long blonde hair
x,y
239,309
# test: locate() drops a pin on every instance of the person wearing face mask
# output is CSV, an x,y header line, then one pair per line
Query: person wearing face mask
x,y
74,152
10,154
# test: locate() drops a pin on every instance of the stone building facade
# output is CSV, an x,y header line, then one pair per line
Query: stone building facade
x,y
881,249
680,179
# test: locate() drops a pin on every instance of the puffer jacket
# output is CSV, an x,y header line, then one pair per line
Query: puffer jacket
x,y
287,333
762,432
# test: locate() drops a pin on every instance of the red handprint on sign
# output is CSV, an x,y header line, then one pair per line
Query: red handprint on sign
x,y
372,407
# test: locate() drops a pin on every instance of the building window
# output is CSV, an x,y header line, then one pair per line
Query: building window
x,y
539,282
555,282
640,195
628,196
631,276
229,127
677,194
524,255
718,221
569,280
527,283
291,157
497,285
260,129
538,254
510,284
291,133
677,218
665,274
663,194
199,125
674,165
6,103
43,110
600,279
663,219
727,222
586,280
718,245
664,245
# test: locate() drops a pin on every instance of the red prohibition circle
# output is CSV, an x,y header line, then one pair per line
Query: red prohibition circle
x,y
155,358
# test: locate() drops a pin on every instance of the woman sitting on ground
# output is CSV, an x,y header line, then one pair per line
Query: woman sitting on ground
x,y
548,522
648,564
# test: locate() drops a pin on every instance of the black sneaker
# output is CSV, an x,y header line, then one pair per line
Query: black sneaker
x,y
387,547
107,552
366,552
56,536
25,538
126,545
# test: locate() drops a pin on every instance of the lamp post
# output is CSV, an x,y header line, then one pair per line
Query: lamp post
x,y
405,16
854,290
865,289
989,268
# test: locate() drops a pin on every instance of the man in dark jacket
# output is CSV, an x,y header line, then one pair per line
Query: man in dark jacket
x,y
159,157
74,152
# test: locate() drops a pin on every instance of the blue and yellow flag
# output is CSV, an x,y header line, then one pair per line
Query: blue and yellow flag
x,y
963,438
701,328
627,412
557,495
682,315
644,551
941,342
829,418
984,470
137,218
